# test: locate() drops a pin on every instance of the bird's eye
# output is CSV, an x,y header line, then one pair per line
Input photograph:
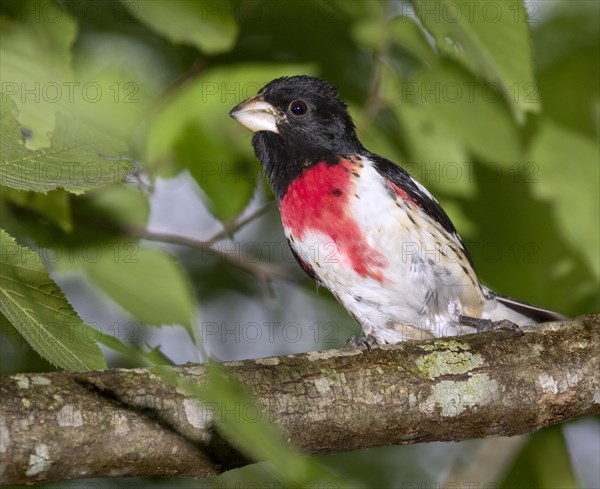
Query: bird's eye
x,y
298,107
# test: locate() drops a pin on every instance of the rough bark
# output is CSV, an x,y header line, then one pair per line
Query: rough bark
x,y
61,425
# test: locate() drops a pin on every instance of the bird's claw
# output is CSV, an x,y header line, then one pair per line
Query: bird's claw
x,y
482,325
367,342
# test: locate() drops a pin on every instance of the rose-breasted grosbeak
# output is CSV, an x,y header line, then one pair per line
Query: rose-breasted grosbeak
x,y
362,226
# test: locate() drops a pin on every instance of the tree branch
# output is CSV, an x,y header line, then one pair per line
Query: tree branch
x,y
117,422
257,268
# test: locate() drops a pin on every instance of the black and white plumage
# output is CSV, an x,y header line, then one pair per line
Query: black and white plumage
x,y
362,226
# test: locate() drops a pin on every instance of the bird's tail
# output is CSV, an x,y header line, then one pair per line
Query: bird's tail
x,y
517,311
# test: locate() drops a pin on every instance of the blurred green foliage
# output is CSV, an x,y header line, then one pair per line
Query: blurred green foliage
x,y
492,105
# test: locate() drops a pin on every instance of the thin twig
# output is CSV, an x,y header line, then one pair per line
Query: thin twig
x,y
258,268
261,269
230,230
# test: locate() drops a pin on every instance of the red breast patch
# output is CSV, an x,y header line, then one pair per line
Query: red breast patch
x,y
318,201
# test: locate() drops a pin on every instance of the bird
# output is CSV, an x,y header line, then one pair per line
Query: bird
x,y
362,227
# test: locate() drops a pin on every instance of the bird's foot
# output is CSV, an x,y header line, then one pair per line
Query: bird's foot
x,y
482,325
368,342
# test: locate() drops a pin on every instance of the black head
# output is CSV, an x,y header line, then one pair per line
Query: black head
x,y
298,121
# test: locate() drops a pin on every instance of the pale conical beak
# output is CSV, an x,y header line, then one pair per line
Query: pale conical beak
x,y
256,115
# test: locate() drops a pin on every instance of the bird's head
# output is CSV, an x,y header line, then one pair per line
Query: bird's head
x,y
298,119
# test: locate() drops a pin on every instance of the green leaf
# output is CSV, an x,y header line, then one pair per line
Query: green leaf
x,y
407,36
37,308
148,283
210,26
103,220
79,158
108,79
567,49
429,140
437,156
450,102
391,35
575,199
54,206
35,57
146,357
119,79
124,206
488,37
227,184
